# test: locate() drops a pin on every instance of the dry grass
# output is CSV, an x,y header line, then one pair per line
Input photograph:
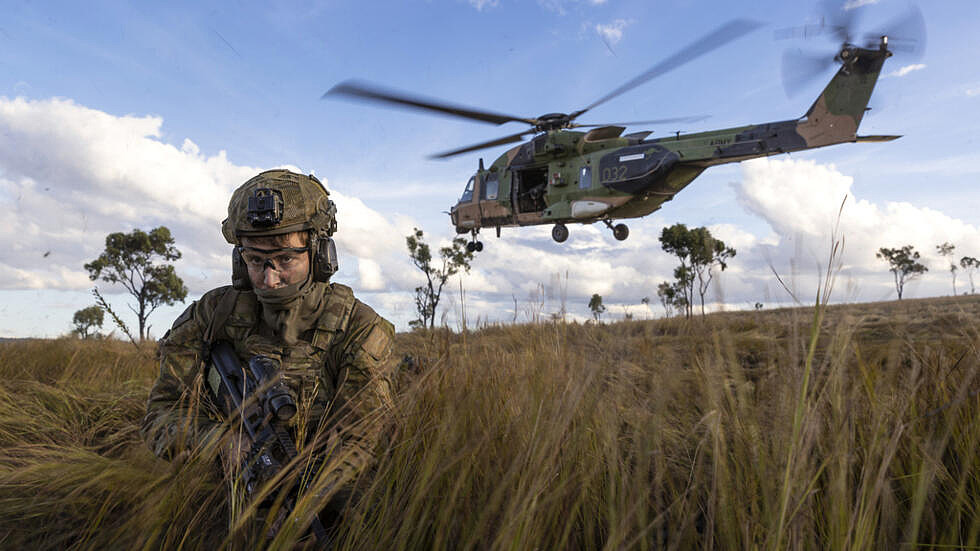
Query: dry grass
x,y
746,430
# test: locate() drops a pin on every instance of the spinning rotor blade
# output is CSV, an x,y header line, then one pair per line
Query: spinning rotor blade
x,y
499,141
839,19
906,34
805,32
836,19
799,69
370,92
654,121
716,39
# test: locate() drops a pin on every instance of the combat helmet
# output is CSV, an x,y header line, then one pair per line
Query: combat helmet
x,y
276,202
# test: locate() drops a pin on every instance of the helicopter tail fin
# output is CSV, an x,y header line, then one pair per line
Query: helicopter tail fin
x,y
836,114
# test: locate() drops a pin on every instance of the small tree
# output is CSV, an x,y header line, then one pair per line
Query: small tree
x,y
87,318
672,298
946,249
904,264
699,253
595,304
454,258
129,260
970,266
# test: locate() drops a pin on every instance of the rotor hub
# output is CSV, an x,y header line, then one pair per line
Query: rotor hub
x,y
847,54
553,121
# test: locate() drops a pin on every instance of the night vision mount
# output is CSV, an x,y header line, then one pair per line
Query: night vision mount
x,y
265,208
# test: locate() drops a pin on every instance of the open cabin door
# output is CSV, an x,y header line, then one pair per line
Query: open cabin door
x,y
528,189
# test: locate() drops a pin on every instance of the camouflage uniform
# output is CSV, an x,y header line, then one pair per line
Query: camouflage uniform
x,y
337,369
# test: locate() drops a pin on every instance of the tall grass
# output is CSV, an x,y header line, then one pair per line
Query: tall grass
x,y
849,428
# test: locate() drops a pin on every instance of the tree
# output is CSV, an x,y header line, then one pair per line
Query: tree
x,y
684,289
129,260
595,304
904,264
87,318
946,249
671,297
454,258
699,252
970,265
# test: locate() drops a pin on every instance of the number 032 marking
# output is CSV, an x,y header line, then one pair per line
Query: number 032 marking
x,y
613,173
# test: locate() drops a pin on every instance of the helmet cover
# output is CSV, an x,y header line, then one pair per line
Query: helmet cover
x,y
279,201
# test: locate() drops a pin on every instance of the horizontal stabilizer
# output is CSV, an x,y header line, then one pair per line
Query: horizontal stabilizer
x,y
876,138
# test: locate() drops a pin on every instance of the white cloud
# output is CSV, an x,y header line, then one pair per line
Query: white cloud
x,y
973,91
70,175
737,238
481,4
612,33
561,7
853,4
801,199
371,278
904,70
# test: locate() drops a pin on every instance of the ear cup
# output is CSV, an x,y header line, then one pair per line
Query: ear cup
x,y
239,272
325,262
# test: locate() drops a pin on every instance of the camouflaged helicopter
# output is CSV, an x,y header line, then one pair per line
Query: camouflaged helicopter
x,y
563,176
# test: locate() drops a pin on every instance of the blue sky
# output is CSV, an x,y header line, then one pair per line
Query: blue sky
x,y
114,116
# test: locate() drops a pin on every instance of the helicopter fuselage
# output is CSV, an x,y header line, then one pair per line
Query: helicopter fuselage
x,y
565,176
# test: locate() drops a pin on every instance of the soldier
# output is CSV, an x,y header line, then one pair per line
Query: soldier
x,y
333,349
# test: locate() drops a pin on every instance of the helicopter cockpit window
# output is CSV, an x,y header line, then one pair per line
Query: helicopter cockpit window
x,y
490,186
468,192
585,177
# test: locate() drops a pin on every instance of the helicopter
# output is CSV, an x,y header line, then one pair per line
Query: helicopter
x,y
563,176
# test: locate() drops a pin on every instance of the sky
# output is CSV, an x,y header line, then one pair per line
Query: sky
x,y
115,116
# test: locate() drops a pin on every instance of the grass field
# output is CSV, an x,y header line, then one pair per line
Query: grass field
x,y
846,427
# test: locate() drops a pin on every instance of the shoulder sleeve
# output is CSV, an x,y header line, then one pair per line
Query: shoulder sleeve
x,y
178,416
364,392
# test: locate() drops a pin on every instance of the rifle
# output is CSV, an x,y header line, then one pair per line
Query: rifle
x,y
261,398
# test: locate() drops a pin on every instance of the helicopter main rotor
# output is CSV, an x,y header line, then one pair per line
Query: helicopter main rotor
x,y
551,121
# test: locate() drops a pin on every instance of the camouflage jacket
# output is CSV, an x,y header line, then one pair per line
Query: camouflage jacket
x,y
339,372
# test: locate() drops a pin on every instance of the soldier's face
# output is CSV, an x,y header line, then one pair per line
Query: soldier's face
x,y
271,266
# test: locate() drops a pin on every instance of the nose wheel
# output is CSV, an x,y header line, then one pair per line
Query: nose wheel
x,y
475,245
620,231
559,233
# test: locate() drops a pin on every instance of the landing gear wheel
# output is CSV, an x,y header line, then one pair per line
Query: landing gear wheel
x,y
559,233
621,232
474,245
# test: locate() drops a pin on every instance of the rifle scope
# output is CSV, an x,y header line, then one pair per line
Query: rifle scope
x,y
276,397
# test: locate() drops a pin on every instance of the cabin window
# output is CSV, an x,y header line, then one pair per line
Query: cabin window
x,y
585,177
491,186
468,192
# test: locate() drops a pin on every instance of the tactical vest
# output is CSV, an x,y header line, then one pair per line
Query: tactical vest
x,y
310,367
